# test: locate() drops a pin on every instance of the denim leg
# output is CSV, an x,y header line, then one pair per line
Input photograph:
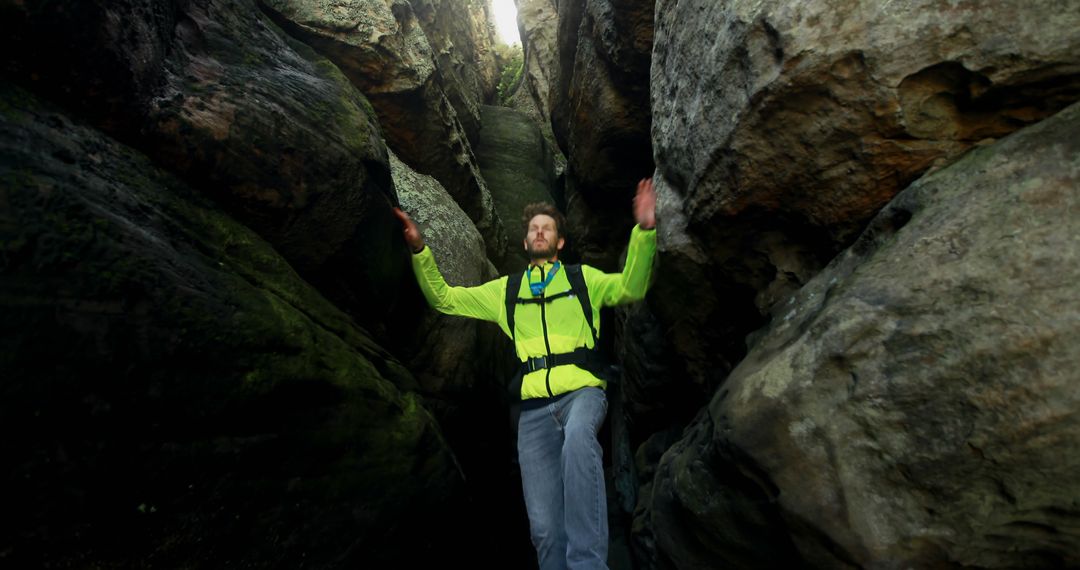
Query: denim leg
x,y
584,493
540,442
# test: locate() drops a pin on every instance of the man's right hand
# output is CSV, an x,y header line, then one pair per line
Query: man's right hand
x,y
413,238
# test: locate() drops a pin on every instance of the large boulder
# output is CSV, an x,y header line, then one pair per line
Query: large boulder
x,y
826,111
427,100
379,45
222,97
176,395
915,404
452,357
781,128
446,229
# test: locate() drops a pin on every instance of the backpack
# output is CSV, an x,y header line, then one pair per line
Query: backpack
x,y
589,359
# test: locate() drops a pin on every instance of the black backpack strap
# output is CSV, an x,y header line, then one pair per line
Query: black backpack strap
x,y
586,358
577,285
513,285
545,299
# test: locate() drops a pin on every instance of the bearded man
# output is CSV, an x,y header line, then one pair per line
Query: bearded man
x,y
563,403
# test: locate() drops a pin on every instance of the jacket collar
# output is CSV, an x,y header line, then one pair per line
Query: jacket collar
x,y
547,265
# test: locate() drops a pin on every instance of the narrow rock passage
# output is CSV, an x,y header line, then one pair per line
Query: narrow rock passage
x,y
857,350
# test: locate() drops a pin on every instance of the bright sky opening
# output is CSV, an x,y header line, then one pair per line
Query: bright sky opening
x,y
506,21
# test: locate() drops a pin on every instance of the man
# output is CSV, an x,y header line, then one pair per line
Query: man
x,y
563,405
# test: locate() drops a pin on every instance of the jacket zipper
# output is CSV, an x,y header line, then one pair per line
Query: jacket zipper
x,y
547,344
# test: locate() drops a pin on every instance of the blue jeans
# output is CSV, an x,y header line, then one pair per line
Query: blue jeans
x,y
562,474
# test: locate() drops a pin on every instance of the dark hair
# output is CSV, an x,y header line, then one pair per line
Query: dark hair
x,y
537,208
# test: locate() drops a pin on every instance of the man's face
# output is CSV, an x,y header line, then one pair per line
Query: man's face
x,y
542,240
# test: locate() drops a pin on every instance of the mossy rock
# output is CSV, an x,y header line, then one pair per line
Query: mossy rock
x,y
182,397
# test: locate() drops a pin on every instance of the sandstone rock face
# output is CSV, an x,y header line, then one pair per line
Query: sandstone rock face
x,y
182,397
781,128
519,168
446,228
101,59
914,405
538,21
378,44
426,81
272,131
826,111
394,46
462,38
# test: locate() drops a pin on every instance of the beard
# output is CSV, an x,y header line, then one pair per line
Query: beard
x,y
546,251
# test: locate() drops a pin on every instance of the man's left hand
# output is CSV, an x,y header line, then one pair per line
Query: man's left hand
x,y
645,204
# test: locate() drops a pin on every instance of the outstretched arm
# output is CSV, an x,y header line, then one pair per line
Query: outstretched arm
x,y
413,238
632,283
480,302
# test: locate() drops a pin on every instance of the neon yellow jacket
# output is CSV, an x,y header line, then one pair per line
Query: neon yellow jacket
x,y
566,325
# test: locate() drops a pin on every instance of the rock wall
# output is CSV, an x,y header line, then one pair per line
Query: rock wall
x,y
182,397
181,386
538,24
462,38
461,366
778,131
801,121
600,114
914,404
827,111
